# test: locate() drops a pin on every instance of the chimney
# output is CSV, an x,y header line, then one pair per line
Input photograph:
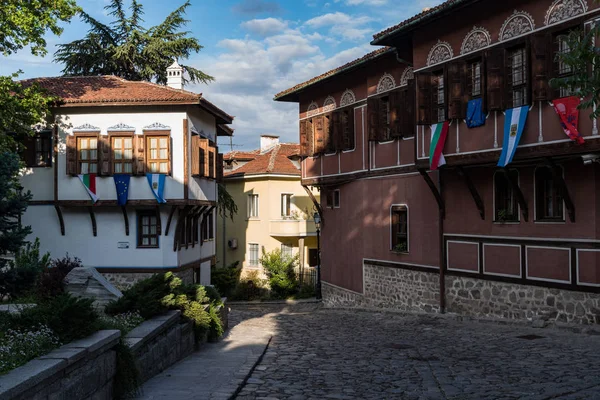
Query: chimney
x,y
267,142
175,76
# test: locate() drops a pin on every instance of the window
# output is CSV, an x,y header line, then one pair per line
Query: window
x,y
189,231
313,257
439,97
475,86
399,221
38,150
336,198
385,119
287,250
517,77
122,155
347,128
211,163
505,201
253,255
252,206
549,202
147,233
158,154
211,226
563,70
87,155
286,205
196,230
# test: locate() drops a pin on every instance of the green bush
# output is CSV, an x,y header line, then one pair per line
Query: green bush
x,y
127,379
250,287
18,278
280,271
226,279
50,283
215,330
212,294
123,322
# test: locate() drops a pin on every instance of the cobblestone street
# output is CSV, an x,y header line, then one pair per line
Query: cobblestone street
x,y
318,353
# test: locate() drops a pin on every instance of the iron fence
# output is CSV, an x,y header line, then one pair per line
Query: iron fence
x,y
307,276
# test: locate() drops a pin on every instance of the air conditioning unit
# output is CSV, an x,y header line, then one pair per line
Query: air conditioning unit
x,y
232,243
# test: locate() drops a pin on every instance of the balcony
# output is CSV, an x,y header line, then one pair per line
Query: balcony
x,y
292,228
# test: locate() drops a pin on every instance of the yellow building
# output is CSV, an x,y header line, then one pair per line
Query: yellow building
x,y
274,210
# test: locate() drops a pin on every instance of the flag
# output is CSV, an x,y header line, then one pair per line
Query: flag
x,y
122,186
157,184
514,123
475,115
89,182
567,111
439,132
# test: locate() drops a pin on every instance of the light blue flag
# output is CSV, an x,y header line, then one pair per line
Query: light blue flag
x,y
514,123
157,184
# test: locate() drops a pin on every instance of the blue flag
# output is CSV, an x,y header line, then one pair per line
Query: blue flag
x,y
157,185
514,123
122,186
475,115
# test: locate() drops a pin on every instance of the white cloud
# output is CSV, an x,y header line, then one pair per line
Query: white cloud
x,y
366,2
342,25
265,27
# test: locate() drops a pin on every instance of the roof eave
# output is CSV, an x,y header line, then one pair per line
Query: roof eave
x,y
64,104
221,116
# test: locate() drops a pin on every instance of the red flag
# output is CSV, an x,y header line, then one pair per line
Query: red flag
x,y
567,111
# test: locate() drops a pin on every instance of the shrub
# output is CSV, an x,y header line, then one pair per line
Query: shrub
x,y
19,346
226,279
127,377
124,322
18,278
280,270
51,280
212,294
250,287
215,327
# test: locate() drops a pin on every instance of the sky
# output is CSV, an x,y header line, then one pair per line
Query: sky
x,y
254,49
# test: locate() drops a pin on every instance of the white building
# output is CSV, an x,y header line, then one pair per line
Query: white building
x,y
106,125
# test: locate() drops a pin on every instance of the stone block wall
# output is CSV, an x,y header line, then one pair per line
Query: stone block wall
x,y
125,280
482,298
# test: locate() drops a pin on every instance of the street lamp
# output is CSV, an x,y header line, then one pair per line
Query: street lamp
x,y
317,219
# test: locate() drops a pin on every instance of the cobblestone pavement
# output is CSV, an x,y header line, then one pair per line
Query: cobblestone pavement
x,y
320,353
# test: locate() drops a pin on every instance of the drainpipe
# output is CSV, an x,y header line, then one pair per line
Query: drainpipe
x,y
223,239
442,253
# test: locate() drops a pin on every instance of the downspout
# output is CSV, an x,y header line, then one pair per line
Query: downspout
x,y
223,239
442,253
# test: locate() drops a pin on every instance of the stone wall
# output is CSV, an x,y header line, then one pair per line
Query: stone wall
x,y
389,288
125,280
482,298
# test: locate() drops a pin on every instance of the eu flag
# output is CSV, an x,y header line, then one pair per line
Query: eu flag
x,y
122,186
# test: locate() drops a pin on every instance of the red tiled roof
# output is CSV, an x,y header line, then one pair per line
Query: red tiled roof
x,y
417,18
333,72
241,155
274,161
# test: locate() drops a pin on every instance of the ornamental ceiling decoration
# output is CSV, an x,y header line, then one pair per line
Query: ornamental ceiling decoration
x,y
347,98
86,127
477,39
329,104
561,10
408,74
157,126
313,108
517,24
386,82
121,127
440,52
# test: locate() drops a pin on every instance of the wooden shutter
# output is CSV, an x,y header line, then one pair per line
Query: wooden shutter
x,y
71,155
348,128
319,134
495,60
405,110
204,167
28,153
336,131
457,77
213,167
327,133
424,98
304,139
219,167
397,103
139,157
542,51
195,155
373,119
104,154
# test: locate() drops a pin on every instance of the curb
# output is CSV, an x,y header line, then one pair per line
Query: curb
x,y
273,302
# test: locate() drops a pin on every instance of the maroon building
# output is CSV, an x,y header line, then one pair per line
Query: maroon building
x,y
472,238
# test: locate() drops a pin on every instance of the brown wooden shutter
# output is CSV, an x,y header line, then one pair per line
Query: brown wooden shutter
x,y
542,55
213,168
195,159
204,168
219,167
310,135
405,106
373,119
395,104
303,139
319,132
384,126
104,147
71,155
337,131
169,151
327,133
495,60
457,77
424,98
139,154
28,153
348,124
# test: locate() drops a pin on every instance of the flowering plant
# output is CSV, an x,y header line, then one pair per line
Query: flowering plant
x,y
17,346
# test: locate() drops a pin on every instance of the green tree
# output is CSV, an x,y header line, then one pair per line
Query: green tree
x,y
125,48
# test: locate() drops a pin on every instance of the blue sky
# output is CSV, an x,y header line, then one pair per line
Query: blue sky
x,y
254,49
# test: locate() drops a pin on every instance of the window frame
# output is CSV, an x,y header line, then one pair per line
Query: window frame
x,y
287,246
556,64
472,60
393,243
78,160
336,197
538,201
211,225
122,135
140,214
287,204
251,206
436,74
250,259
516,218
524,46
148,136
348,129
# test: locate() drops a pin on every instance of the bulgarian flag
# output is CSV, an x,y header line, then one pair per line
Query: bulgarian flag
x,y
89,182
439,133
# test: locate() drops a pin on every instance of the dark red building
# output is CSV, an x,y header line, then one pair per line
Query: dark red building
x,y
472,238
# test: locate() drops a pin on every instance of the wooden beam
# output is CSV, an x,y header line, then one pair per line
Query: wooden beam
x,y
158,220
186,150
93,218
126,219
179,226
435,192
169,219
517,190
559,181
315,203
474,193
114,203
61,221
